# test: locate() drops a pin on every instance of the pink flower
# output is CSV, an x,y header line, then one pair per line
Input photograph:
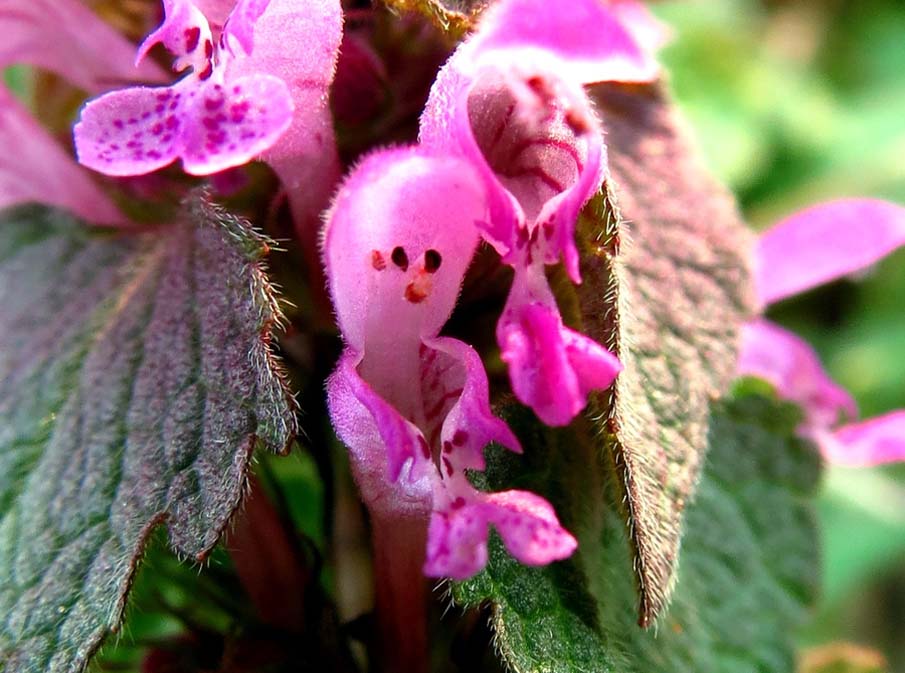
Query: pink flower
x,y
64,37
259,72
412,406
213,119
511,102
812,247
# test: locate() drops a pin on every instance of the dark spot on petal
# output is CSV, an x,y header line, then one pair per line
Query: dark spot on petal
x,y
118,123
213,104
460,437
205,74
399,258
458,503
448,466
208,49
377,260
415,293
192,37
432,260
577,122
425,449
447,447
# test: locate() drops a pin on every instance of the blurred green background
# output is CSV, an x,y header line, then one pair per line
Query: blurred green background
x,y
796,102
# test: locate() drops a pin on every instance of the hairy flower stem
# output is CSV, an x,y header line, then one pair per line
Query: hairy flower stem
x,y
402,596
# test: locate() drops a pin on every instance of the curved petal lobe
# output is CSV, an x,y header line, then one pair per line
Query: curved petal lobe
x,y
457,536
791,365
875,441
825,242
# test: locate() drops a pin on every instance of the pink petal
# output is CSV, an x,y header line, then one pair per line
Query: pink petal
x,y
410,200
381,441
587,35
305,158
791,365
185,33
647,30
457,536
872,442
67,38
33,167
469,425
216,11
242,20
212,127
536,141
825,242
552,368
132,131
230,125
529,527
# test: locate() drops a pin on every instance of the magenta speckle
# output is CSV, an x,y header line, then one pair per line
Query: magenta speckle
x,y
192,37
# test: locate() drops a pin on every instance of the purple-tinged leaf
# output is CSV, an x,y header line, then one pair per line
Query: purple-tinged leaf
x,y
666,286
135,379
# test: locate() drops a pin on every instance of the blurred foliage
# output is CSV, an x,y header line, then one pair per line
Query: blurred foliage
x,y
796,102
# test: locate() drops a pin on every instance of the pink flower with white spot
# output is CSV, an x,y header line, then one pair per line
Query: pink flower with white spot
x,y
511,102
815,246
412,406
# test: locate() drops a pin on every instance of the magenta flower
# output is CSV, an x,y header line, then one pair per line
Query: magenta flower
x,y
412,406
815,246
215,118
244,91
64,37
511,102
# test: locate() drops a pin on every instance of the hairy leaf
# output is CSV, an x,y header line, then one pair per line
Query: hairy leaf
x,y
667,287
749,566
135,379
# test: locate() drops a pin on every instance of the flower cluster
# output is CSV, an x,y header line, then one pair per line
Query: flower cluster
x,y
510,149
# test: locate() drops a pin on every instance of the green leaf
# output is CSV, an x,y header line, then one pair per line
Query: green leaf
x,y
749,567
666,285
135,379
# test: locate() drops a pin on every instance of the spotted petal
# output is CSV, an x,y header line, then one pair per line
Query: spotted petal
x,y
230,125
210,126
457,536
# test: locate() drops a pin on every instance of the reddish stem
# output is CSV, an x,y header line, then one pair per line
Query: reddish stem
x,y
402,592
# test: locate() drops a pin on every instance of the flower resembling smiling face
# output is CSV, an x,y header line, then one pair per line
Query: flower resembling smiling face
x,y
412,406
397,247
